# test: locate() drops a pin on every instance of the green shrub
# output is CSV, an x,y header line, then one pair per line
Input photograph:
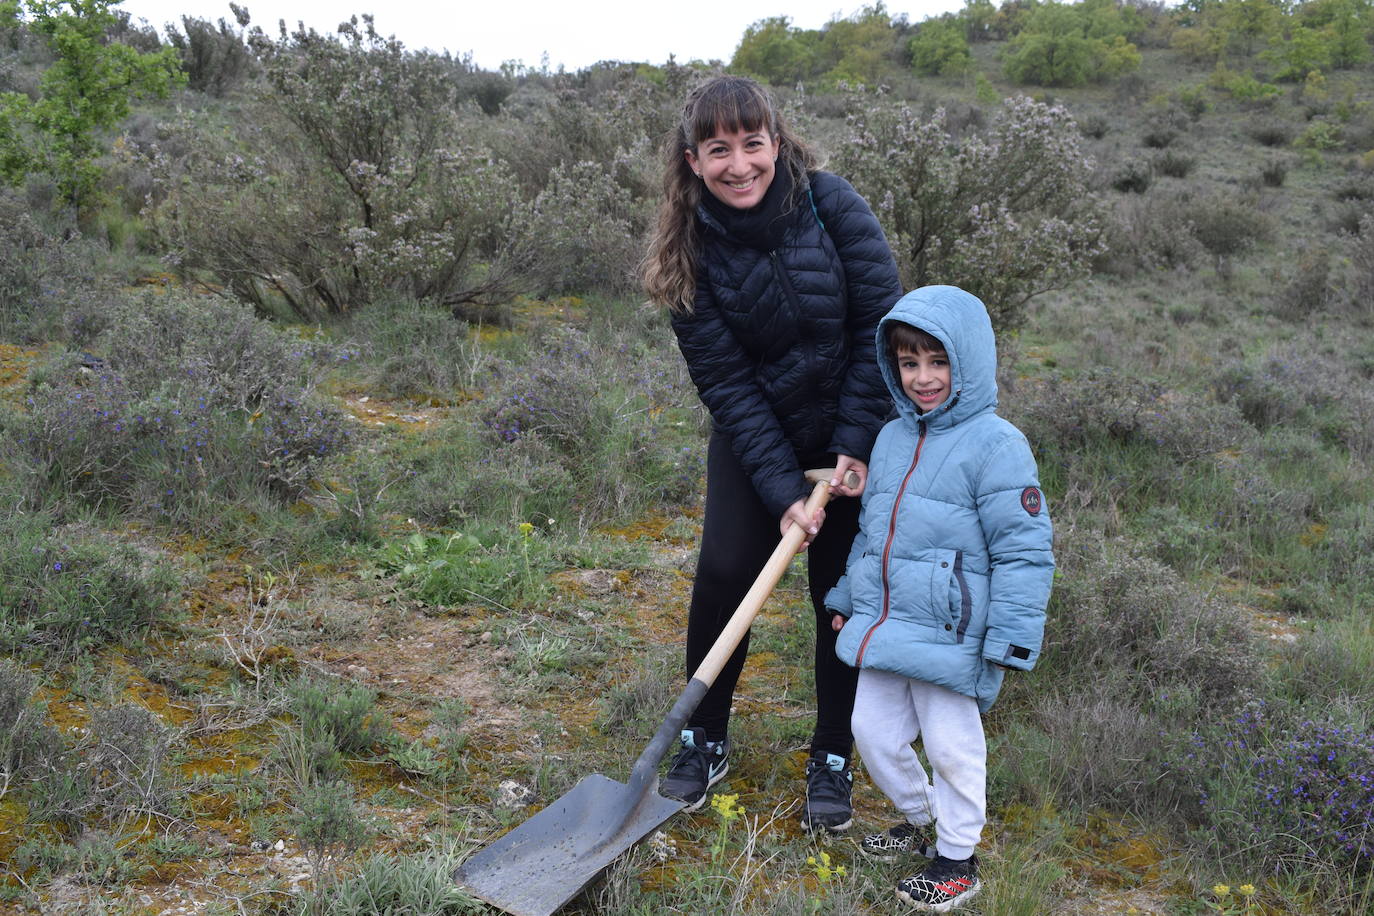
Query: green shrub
x,y
1095,126
1123,619
343,717
193,404
40,272
29,746
1149,232
1174,164
1134,177
67,590
353,175
1274,173
621,436
582,233
1308,285
1068,415
1226,224
940,48
412,349
1272,133
127,763
1159,137
214,55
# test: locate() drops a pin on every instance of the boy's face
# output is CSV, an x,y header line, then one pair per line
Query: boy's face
x,y
925,377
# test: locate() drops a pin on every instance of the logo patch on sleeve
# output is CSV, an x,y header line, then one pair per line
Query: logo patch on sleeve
x,y
1031,500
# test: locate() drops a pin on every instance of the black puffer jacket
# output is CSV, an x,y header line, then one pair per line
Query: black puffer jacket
x,y
780,344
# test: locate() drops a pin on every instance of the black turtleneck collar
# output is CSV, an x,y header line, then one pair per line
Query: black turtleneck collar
x,y
762,225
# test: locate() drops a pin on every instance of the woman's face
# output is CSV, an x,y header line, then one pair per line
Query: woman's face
x,y
737,167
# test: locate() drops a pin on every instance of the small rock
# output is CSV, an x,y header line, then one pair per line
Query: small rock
x,y
510,794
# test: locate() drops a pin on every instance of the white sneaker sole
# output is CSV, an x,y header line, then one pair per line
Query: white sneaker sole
x,y
711,781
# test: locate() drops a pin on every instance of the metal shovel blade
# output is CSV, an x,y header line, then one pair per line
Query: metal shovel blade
x,y
546,861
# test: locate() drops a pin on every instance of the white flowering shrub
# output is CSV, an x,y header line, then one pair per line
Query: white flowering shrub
x,y
1004,212
351,176
583,233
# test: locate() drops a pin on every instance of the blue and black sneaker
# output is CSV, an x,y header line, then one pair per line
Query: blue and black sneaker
x,y
829,783
698,766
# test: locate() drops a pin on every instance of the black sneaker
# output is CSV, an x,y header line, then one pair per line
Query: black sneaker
x,y
698,766
896,842
944,885
829,781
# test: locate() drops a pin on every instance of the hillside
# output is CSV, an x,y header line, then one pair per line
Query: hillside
x,y
350,511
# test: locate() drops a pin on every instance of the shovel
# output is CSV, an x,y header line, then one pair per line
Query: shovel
x,y
539,866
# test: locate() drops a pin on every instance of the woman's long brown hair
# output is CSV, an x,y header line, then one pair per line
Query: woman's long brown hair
x,y
723,104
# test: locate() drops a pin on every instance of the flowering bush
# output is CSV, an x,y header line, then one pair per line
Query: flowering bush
x,y
1267,774
621,436
351,176
582,233
194,402
65,590
1004,213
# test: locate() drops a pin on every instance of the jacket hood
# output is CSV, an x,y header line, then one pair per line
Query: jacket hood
x,y
960,321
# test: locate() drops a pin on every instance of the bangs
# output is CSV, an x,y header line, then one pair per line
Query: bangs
x,y
725,106
902,337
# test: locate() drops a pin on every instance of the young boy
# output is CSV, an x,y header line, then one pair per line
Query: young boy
x,y
946,585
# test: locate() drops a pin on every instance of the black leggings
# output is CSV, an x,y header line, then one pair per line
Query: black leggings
x,y
739,535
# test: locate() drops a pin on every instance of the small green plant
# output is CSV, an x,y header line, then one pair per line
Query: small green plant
x,y
422,885
345,718
457,568
329,828
825,873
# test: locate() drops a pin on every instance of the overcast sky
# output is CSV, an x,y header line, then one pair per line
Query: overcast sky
x,y
574,34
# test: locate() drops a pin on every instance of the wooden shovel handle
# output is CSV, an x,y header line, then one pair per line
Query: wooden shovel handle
x,y
642,776
767,580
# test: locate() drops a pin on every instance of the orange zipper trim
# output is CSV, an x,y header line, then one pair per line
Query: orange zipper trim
x,y
887,547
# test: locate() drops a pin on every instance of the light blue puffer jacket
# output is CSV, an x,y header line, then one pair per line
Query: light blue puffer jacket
x,y
951,571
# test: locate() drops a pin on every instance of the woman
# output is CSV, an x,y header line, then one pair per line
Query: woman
x,y
775,274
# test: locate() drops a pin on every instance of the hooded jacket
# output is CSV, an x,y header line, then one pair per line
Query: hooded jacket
x,y
948,579
780,343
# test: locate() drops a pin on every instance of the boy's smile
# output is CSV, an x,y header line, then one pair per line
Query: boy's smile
x,y
925,377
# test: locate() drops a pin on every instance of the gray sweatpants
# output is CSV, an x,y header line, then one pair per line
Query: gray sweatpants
x,y
890,712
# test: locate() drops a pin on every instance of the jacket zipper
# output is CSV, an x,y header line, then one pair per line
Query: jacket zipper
x,y
808,353
887,547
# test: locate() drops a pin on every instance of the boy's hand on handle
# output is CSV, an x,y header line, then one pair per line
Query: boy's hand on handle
x,y
850,477
837,622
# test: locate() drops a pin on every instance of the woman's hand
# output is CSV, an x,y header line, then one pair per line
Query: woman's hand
x,y
796,515
843,465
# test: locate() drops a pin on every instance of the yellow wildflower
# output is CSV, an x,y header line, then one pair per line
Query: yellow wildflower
x,y
1247,890
1221,890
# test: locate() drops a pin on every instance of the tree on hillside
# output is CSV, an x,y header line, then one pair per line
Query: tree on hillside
x,y
87,90
940,48
775,52
860,48
1069,45
1005,213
